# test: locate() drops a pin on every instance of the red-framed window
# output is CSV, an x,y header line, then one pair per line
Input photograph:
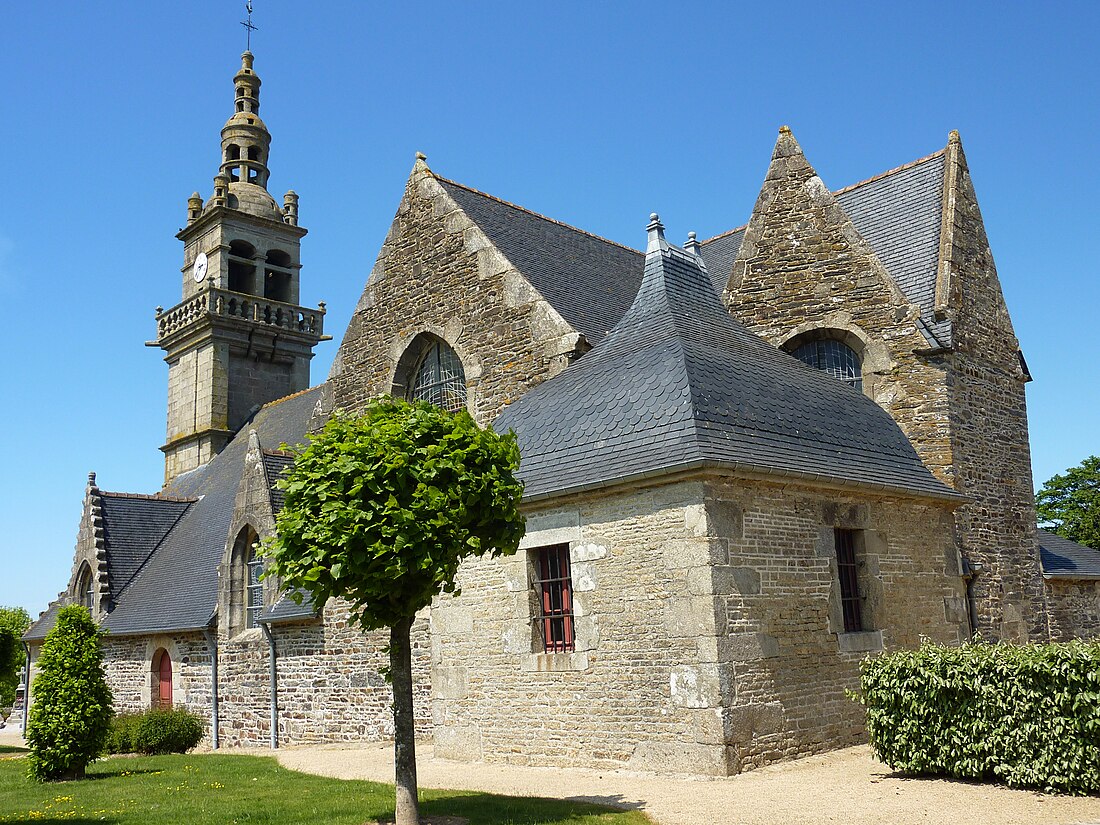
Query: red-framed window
x,y
554,586
848,570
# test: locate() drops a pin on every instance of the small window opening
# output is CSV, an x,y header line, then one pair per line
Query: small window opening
x,y
232,152
85,592
554,587
848,571
254,604
277,286
253,152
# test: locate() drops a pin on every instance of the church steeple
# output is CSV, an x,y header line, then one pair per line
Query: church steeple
x,y
239,338
245,139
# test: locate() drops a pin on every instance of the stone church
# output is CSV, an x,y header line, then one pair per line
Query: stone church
x,y
749,461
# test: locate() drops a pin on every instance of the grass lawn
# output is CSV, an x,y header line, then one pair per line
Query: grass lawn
x,y
216,788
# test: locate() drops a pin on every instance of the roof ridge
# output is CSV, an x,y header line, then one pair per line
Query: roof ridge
x,y
728,232
292,395
147,496
537,214
889,172
280,453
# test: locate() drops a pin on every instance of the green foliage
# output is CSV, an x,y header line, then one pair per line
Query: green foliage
x,y
155,731
1070,503
380,509
71,712
14,622
1027,716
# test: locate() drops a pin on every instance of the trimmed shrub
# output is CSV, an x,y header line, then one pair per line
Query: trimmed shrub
x,y
123,728
1027,716
156,731
71,712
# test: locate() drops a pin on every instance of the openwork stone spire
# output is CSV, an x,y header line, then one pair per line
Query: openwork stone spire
x,y
245,139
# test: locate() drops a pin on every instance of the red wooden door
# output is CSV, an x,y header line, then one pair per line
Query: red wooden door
x,y
164,698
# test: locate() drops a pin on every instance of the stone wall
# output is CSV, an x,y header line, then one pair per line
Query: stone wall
x,y
438,275
329,685
1074,609
989,423
128,662
706,629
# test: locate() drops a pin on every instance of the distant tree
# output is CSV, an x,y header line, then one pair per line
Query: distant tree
x,y
1069,503
380,510
14,622
70,716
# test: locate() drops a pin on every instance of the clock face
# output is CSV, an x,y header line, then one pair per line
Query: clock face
x,y
199,269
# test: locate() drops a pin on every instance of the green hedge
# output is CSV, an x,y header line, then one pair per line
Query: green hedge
x,y
156,731
1027,716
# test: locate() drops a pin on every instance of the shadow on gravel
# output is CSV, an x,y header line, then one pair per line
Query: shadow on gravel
x,y
520,810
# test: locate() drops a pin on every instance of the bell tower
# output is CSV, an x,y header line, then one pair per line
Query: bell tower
x,y
238,339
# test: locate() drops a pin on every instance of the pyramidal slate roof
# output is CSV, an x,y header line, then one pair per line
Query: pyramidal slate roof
x,y
1065,559
899,214
678,384
177,588
590,281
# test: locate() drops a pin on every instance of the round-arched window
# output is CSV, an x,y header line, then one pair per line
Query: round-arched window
x,y
440,379
834,357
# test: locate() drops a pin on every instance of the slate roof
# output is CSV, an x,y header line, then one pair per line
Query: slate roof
x,y
679,384
286,610
590,281
133,526
898,213
1065,559
274,464
43,624
177,587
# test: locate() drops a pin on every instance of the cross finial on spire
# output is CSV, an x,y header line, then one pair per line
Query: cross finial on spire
x,y
248,27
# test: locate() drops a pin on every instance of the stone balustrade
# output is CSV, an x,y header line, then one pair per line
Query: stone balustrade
x,y
252,308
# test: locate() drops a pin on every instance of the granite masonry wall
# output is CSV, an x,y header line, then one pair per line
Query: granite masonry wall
x,y
804,268
129,664
1074,609
438,275
706,634
988,423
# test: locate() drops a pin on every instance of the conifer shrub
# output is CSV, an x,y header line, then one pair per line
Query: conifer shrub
x,y
71,713
1024,715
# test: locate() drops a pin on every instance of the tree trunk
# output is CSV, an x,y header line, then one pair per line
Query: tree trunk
x,y
404,750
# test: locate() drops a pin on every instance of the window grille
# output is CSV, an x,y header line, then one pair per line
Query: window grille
x,y
440,379
554,586
848,570
834,357
255,590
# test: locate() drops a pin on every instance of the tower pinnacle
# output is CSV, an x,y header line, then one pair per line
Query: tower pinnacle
x,y
245,139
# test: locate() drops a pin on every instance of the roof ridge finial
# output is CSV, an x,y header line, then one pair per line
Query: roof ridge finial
x,y
656,231
692,244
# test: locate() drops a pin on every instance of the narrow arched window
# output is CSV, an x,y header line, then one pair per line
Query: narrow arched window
x,y
834,357
85,593
440,379
254,601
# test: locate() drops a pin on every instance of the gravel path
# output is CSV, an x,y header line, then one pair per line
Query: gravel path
x,y
845,786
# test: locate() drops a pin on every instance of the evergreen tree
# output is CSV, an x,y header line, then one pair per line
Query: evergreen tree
x,y
71,713
1069,503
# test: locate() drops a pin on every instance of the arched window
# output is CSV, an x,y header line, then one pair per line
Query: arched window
x,y
440,379
85,594
242,270
247,569
834,357
254,595
162,679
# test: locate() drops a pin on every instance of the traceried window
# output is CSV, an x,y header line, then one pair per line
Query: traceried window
x,y
554,589
440,379
834,357
847,569
254,603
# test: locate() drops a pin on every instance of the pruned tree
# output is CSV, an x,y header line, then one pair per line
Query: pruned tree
x,y
1069,503
71,713
380,510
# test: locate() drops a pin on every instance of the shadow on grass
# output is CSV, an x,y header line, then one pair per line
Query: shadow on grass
x,y
12,750
522,810
49,820
97,773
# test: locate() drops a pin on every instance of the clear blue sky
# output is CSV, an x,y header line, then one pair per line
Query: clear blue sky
x,y
593,113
